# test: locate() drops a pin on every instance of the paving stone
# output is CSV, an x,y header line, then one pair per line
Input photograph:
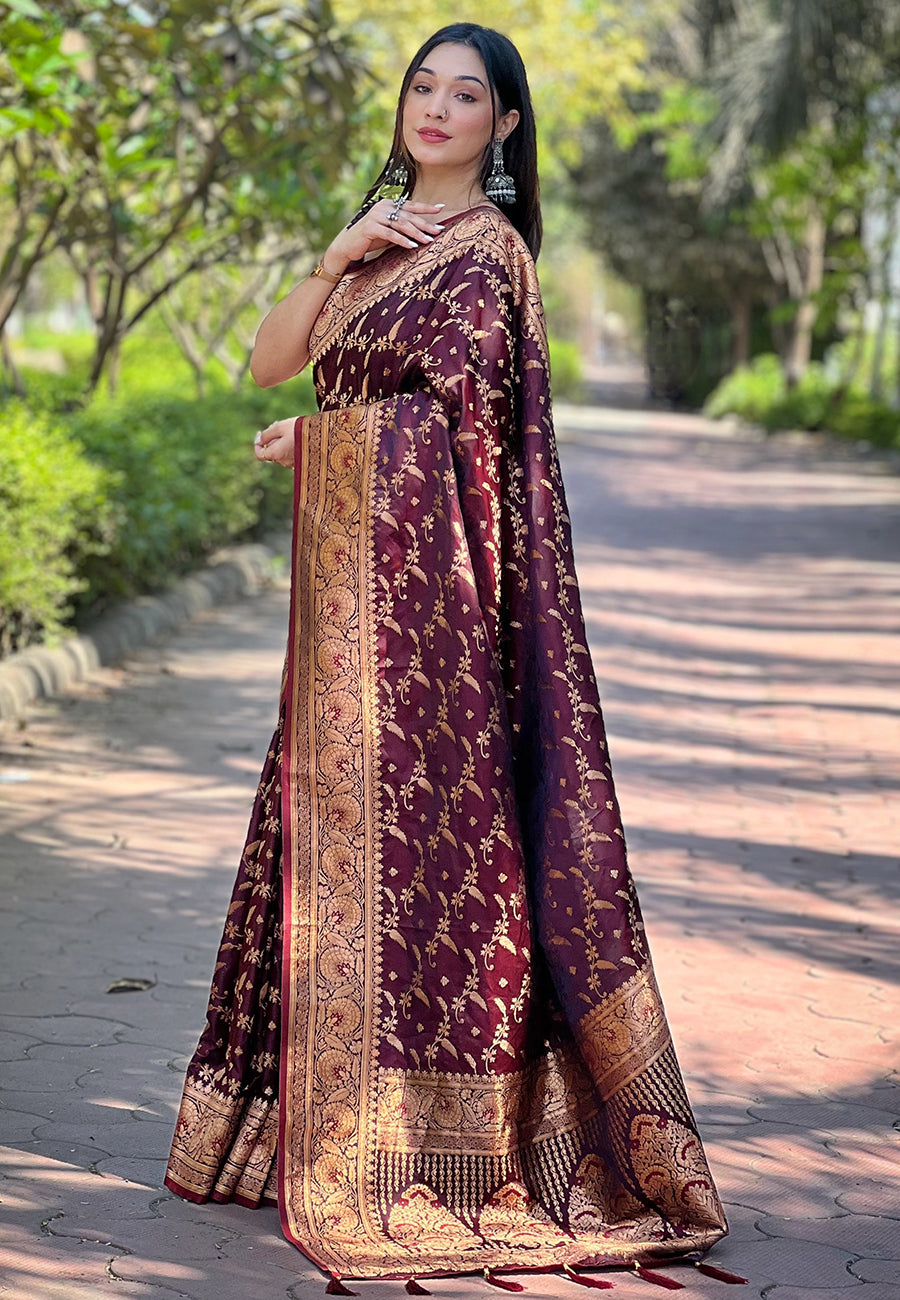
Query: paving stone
x,y
149,1173
795,1263
860,1234
82,1031
840,1293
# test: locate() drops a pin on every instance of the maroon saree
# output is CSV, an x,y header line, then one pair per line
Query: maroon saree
x,y
434,1033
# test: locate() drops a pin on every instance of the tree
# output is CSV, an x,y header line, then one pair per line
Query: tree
x,y
195,128
37,101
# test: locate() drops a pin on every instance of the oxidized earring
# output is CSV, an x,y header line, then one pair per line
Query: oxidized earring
x,y
499,186
395,181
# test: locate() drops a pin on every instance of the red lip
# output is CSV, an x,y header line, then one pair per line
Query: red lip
x,y
432,133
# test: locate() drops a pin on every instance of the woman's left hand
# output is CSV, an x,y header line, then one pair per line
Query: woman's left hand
x,y
276,443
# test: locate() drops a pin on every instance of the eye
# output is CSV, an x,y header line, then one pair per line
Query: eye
x,y
422,86
466,97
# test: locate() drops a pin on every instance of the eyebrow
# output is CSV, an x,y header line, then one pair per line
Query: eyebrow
x,y
460,78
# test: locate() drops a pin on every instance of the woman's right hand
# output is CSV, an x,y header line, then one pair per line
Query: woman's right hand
x,y
415,225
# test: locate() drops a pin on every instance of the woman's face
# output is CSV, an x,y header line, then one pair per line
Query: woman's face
x,y
447,113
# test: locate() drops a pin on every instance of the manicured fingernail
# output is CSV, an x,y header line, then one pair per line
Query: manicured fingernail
x,y
438,205
258,438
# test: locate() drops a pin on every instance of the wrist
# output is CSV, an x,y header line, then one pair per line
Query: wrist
x,y
327,272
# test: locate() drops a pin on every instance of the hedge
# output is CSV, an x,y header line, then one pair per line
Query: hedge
x,y
112,500
758,392
54,518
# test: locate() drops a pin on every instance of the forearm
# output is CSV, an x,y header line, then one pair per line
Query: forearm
x,y
281,349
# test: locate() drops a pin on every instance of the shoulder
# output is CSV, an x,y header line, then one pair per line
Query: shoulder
x,y
486,237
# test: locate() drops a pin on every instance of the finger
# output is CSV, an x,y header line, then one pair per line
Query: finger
x,y
409,206
404,234
266,436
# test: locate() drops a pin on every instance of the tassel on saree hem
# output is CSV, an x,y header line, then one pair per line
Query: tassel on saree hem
x,y
720,1274
582,1279
501,1282
336,1287
415,1288
658,1279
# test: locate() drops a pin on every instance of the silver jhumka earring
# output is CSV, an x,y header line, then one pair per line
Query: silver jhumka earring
x,y
395,181
499,186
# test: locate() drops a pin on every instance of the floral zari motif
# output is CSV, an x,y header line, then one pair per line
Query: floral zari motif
x,y
474,1066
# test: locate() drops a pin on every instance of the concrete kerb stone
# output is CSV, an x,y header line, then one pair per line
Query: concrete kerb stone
x,y
44,671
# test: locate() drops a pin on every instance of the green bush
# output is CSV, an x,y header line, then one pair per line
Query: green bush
x,y
805,406
186,481
114,498
858,417
566,369
759,393
749,391
53,520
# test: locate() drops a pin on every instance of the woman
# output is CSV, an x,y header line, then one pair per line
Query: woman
x,y
434,1034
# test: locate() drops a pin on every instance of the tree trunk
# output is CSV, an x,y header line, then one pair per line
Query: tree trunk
x,y
109,321
888,243
808,309
9,363
741,324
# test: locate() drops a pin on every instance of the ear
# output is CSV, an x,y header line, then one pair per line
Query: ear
x,y
507,123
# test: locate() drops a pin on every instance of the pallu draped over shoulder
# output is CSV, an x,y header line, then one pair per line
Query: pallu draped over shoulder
x,y
434,1033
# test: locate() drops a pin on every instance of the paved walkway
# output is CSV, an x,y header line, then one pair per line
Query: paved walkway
x,y
742,599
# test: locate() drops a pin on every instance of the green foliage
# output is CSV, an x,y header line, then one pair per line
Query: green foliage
x,y
186,481
54,518
749,391
858,417
760,394
566,369
111,500
152,141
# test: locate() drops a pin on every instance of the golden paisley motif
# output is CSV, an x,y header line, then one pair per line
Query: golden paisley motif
x,y
419,1221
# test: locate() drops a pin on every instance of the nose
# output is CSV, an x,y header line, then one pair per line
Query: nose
x,y
436,110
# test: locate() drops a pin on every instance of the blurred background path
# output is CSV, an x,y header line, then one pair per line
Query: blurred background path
x,y
742,606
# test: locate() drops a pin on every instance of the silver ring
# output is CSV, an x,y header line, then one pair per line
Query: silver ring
x,y
394,214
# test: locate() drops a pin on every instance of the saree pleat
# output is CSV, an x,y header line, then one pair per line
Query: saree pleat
x,y
474,1068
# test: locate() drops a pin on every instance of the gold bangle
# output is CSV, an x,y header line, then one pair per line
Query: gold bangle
x,y
326,275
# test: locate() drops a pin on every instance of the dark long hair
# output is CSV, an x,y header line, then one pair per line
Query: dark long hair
x,y
509,90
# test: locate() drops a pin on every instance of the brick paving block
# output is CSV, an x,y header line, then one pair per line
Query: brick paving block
x,y
824,1116
793,1263
25,1076
72,1029
32,1268
868,1158
148,1173
869,1196
877,1270
742,1224
875,1238
14,1046
842,1293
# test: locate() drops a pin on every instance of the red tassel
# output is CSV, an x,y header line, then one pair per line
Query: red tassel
x,y
721,1274
658,1279
413,1288
501,1282
600,1283
336,1287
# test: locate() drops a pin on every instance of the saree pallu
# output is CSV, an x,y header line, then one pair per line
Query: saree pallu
x,y
434,1034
